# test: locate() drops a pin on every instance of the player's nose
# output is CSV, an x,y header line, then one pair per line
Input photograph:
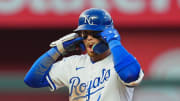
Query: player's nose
x,y
89,37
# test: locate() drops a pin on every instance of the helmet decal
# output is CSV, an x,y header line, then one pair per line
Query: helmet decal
x,y
89,19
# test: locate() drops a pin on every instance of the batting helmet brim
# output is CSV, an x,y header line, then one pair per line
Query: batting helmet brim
x,y
91,27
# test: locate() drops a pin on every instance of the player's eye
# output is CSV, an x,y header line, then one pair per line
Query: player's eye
x,y
95,34
84,36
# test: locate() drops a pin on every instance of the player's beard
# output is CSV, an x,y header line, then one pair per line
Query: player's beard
x,y
91,52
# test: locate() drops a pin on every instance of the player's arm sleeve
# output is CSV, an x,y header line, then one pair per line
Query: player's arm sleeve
x,y
36,76
126,65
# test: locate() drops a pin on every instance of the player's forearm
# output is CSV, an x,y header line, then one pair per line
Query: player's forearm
x,y
126,65
36,75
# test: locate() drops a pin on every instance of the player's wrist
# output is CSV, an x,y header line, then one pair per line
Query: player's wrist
x,y
54,53
57,50
113,43
60,48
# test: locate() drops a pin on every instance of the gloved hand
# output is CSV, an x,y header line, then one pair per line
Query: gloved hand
x,y
68,43
110,34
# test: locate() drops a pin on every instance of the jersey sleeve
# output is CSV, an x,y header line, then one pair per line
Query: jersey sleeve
x,y
59,73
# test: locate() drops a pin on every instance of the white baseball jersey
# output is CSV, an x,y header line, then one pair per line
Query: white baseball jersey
x,y
88,81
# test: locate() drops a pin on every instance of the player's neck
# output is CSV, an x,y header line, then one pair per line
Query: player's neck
x,y
101,56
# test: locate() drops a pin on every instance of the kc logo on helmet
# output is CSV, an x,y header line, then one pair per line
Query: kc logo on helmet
x,y
91,20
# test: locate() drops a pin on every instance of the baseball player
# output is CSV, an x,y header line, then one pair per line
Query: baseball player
x,y
106,72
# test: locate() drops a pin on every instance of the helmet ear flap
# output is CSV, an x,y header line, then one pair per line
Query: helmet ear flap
x,y
100,48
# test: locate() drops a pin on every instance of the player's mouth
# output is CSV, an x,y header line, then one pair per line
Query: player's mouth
x,y
90,47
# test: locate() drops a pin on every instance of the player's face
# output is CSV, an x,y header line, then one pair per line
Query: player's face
x,y
90,39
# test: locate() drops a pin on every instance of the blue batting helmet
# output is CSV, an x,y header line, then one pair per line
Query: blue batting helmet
x,y
94,19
